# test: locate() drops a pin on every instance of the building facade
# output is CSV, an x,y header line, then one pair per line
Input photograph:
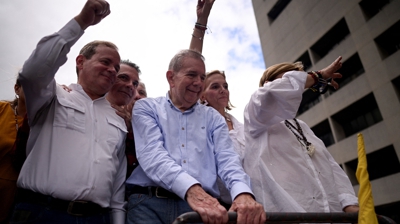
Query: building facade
x,y
366,33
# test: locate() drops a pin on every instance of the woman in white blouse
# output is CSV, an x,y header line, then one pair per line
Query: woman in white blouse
x,y
290,168
216,95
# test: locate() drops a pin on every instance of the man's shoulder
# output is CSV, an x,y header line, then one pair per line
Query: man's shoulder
x,y
152,102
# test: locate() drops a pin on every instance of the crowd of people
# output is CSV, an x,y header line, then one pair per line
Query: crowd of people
x,y
100,151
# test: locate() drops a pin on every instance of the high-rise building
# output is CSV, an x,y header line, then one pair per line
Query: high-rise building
x,y
366,33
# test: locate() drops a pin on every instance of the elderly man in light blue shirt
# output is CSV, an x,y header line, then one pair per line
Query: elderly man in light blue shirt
x,y
182,146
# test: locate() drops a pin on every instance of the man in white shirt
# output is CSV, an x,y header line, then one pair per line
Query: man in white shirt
x,y
75,167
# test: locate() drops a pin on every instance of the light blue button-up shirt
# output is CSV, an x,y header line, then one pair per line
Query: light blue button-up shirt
x,y
178,149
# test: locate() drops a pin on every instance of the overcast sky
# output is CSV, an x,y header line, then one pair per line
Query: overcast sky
x,y
148,33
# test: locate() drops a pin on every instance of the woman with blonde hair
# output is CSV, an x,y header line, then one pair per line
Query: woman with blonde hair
x,y
290,168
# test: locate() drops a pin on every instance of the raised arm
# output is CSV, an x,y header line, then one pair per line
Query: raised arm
x,y
203,11
280,99
37,74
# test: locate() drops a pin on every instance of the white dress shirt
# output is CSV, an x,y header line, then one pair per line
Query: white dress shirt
x,y
284,177
76,145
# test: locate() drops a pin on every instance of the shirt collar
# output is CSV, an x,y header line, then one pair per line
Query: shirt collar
x,y
78,88
190,110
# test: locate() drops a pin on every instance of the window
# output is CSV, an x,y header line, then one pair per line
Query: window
x,y
324,132
358,116
381,163
389,41
309,100
396,84
305,59
279,6
333,37
371,7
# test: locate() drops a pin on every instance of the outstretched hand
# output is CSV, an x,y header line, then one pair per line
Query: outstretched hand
x,y
210,210
203,10
330,72
92,13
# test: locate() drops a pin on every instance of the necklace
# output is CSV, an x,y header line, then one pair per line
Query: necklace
x,y
302,139
15,117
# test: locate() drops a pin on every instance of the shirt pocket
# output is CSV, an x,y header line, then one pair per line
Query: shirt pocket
x,y
117,131
69,115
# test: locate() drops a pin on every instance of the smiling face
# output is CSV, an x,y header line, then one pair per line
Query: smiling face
x,y
97,74
216,92
186,84
124,88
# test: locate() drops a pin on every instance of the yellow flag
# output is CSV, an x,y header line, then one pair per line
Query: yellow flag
x,y
366,202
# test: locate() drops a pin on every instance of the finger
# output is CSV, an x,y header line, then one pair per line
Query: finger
x,y
336,75
334,84
203,214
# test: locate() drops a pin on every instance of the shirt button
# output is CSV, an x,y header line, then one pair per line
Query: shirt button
x,y
183,128
183,145
96,161
313,197
93,187
95,140
184,161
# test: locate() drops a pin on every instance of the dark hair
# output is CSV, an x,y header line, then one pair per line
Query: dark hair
x,y
90,49
131,64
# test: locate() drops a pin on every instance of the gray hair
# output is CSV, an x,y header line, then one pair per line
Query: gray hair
x,y
176,62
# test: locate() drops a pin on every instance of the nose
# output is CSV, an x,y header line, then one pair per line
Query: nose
x,y
198,81
136,95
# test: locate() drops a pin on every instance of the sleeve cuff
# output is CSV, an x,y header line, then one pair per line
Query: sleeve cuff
x,y
182,183
239,188
347,199
72,31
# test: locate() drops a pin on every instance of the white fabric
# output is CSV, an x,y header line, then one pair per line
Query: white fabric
x,y
76,146
237,137
284,178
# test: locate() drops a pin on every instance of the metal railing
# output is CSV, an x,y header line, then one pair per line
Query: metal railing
x,y
291,217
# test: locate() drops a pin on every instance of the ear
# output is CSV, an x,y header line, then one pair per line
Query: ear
x,y
170,77
79,62
202,97
17,89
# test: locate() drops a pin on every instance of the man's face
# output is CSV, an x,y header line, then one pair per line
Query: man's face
x,y
187,84
98,74
124,89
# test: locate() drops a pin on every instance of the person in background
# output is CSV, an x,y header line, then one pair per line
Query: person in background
x,y
11,118
216,95
75,167
141,91
290,168
122,97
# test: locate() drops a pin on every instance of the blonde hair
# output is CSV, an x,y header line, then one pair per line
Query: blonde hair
x,y
273,71
214,72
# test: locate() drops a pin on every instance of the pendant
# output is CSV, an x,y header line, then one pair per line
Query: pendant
x,y
310,150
